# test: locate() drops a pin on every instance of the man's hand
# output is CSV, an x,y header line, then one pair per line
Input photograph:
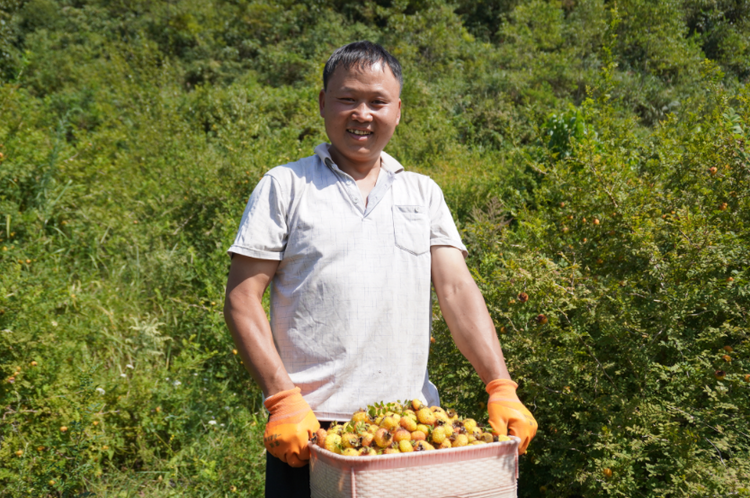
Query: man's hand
x,y
507,413
290,427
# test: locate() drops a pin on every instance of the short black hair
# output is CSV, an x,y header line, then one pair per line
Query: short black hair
x,y
361,54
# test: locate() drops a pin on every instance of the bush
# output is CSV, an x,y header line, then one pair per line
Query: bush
x,y
597,170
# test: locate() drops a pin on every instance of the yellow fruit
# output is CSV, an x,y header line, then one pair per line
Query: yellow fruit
x,y
607,473
503,438
360,416
401,434
470,424
349,452
438,435
336,429
378,419
408,423
33,363
372,429
63,429
747,377
727,358
423,446
445,444
460,440
720,374
423,428
442,418
19,453
367,439
349,440
332,443
486,437
474,443
233,489
448,428
418,436
728,349
389,423
416,404
320,437
405,446
471,438
391,451
367,452
383,438
425,416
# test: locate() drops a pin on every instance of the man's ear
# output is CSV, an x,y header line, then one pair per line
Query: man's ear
x,y
398,120
322,102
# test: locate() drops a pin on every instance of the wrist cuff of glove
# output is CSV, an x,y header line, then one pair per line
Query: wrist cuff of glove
x,y
286,401
500,384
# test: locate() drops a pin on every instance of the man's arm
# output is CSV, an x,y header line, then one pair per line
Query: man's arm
x,y
247,321
471,326
466,314
292,423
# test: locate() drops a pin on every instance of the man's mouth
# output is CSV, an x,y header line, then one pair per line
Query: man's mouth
x,y
359,132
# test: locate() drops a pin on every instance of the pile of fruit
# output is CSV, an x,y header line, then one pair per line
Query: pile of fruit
x,y
390,428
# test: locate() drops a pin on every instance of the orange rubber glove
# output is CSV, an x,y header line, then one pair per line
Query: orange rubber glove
x,y
290,427
507,413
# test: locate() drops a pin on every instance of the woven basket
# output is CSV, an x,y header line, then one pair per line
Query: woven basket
x,y
481,471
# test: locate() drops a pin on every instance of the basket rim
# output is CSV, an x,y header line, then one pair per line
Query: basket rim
x,y
399,460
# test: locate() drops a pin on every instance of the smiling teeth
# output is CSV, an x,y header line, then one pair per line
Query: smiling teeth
x,y
360,132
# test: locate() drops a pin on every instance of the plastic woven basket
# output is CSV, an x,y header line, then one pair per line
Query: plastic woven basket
x,y
481,471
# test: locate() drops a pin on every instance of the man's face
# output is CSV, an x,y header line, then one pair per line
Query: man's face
x,y
361,109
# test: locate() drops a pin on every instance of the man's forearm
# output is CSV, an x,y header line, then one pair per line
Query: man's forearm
x,y
471,326
466,314
247,321
248,324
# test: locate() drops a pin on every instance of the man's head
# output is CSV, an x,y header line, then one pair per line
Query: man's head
x,y
362,54
360,103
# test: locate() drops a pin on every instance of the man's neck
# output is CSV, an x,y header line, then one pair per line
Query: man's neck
x,y
357,170
365,174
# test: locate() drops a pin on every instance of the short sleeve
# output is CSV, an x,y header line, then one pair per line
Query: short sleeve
x,y
263,229
443,231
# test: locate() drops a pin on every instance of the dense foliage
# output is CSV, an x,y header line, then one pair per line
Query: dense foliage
x,y
594,154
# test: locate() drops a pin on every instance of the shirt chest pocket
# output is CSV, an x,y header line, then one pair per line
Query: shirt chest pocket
x,y
411,228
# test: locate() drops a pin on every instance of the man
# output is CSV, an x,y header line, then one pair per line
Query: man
x,y
351,243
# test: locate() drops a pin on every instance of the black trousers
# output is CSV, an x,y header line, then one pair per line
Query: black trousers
x,y
285,481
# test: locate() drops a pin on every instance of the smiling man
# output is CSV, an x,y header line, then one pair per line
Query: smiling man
x,y
351,244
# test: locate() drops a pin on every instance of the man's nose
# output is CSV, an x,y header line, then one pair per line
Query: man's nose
x,y
362,112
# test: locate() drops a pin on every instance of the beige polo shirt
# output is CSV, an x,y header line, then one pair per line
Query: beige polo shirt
x,y
350,301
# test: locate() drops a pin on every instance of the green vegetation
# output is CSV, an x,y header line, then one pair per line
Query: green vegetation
x,y
595,155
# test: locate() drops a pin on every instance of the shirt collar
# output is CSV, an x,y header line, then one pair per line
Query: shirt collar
x,y
387,162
